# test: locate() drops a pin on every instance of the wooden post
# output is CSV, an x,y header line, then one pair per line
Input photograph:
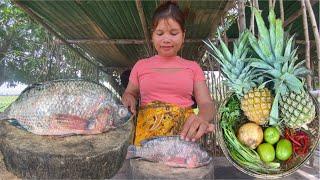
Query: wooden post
x,y
315,32
242,17
307,45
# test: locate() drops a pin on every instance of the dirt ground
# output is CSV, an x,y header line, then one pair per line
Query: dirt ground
x,y
4,174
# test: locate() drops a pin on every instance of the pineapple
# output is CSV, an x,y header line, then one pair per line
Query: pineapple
x,y
242,79
256,105
277,59
296,109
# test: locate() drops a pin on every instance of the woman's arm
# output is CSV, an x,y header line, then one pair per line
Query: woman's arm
x,y
129,97
197,125
204,101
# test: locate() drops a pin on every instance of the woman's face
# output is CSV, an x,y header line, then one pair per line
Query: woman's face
x,y
168,37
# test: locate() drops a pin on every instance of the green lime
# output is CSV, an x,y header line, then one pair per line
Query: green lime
x,y
266,152
284,149
271,135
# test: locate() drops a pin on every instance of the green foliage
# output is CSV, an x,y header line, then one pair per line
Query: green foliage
x,y
5,101
29,54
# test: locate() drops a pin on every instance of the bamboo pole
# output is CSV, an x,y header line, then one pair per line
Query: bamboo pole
x,y
144,26
307,45
115,41
315,32
252,4
139,41
270,4
242,17
256,3
281,11
274,3
295,16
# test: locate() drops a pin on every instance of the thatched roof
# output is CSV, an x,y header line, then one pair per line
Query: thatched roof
x,y
117,33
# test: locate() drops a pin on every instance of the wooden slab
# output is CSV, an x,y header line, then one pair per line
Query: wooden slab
x,y
141,169
27,155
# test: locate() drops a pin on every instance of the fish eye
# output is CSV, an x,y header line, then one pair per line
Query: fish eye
x,y
123,112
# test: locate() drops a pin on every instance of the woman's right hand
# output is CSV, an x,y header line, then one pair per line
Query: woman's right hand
x,y
129,101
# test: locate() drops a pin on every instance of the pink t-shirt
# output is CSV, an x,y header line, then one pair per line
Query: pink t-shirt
x,y
166,79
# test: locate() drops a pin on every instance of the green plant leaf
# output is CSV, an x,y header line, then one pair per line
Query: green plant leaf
x,y
279,38
264,36
272,29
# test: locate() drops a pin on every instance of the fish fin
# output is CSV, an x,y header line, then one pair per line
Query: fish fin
x,y
132,152
14,122
206,162
17,124
174,164
30,87
143,142
192,162
68,121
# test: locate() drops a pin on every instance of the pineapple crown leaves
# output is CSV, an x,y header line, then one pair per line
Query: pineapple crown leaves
x,y
234,65
277,59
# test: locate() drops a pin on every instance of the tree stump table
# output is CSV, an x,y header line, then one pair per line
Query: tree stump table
x,y
141,169
27,155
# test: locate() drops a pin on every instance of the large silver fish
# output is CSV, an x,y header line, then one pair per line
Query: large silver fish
x,y
172,151
67,107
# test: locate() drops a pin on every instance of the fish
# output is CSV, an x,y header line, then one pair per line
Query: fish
x,y
171,151
67,107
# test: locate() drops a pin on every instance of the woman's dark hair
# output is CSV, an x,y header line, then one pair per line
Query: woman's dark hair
x,y
124,77
168,10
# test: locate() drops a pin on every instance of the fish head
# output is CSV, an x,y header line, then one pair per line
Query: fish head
x,y
121,116
111,115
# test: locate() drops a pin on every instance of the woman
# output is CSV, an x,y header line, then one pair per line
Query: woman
x,y
166,84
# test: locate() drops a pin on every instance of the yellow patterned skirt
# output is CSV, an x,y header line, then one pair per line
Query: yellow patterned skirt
x,y
160,119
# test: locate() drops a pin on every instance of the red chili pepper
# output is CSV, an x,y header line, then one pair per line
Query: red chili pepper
x,y
294,141
300,141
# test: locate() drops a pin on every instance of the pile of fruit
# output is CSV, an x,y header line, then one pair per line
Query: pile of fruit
x,y
264,122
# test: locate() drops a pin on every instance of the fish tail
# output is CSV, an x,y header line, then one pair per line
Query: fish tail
x,y
132,152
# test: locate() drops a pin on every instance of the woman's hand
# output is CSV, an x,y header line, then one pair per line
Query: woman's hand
x,y
129,100
195,127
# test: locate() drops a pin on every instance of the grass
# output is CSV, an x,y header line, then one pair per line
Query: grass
x,y
5,101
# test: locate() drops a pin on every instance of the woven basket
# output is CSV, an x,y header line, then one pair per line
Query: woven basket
x,y
285,169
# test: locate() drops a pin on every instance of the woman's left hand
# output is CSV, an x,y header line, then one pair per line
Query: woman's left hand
x,y
195,127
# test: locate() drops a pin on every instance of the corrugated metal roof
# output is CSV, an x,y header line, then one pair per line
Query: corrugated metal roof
x,y
90,24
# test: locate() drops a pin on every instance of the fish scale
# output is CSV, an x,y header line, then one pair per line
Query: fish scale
x,y
67,107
